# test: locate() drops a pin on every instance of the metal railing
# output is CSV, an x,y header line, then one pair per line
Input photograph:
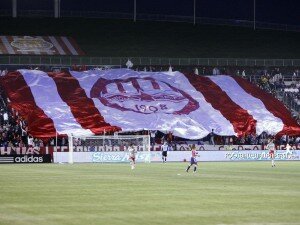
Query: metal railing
x,y
153,17
143,61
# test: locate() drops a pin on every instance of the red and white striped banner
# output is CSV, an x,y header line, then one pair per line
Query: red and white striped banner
x,y
91,102
39,45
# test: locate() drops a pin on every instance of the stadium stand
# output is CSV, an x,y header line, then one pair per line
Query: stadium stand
x,y
92,95
122,38
13,128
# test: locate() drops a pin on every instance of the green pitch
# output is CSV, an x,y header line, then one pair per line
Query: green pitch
x,y
110,194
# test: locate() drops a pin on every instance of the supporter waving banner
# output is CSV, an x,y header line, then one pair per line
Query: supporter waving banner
x,y
93,102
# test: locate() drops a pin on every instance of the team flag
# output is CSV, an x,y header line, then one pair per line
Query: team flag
x,y
39,45
92,102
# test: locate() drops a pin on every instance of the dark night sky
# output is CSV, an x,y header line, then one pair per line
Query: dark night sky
x,y
276,11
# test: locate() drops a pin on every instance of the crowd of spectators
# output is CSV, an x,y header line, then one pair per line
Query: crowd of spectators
x,y
13,129
284,87
214,139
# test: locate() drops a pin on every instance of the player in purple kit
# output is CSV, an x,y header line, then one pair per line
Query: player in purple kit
x,y
193,160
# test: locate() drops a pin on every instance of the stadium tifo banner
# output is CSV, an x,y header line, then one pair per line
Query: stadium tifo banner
x,y
39,45
190,106
176,156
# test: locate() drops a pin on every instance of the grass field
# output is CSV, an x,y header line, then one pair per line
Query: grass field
x,y
110,194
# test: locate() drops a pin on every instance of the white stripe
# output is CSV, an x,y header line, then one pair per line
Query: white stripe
x,y
69,46
112,88
46,96
163,86
57,45
7,45
129,88
146,85
195,125
266,121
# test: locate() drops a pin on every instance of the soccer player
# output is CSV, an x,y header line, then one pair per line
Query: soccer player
x,y
132,152
193,161
288,153
288,149
271,147
164,151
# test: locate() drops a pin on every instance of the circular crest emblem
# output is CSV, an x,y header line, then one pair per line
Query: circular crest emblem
x,y
31,44
143,95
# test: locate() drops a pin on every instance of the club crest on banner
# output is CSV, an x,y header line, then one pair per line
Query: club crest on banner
x,y
31,44
143,95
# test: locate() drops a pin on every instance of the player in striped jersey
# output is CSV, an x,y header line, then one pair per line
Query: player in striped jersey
x,y
271,147
193,161
132,153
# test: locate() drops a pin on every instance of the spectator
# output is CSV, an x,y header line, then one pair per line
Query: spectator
x,y
244,74
212,137
129,64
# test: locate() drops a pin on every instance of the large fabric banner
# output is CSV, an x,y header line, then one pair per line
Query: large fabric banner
x,y
190,106
39,45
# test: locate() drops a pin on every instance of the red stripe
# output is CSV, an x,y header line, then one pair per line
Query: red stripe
x,y
10,40
2,48
63,46
136,84
76,46
273,105
39,124
120,87
82,107
243,123
46,38
155,85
